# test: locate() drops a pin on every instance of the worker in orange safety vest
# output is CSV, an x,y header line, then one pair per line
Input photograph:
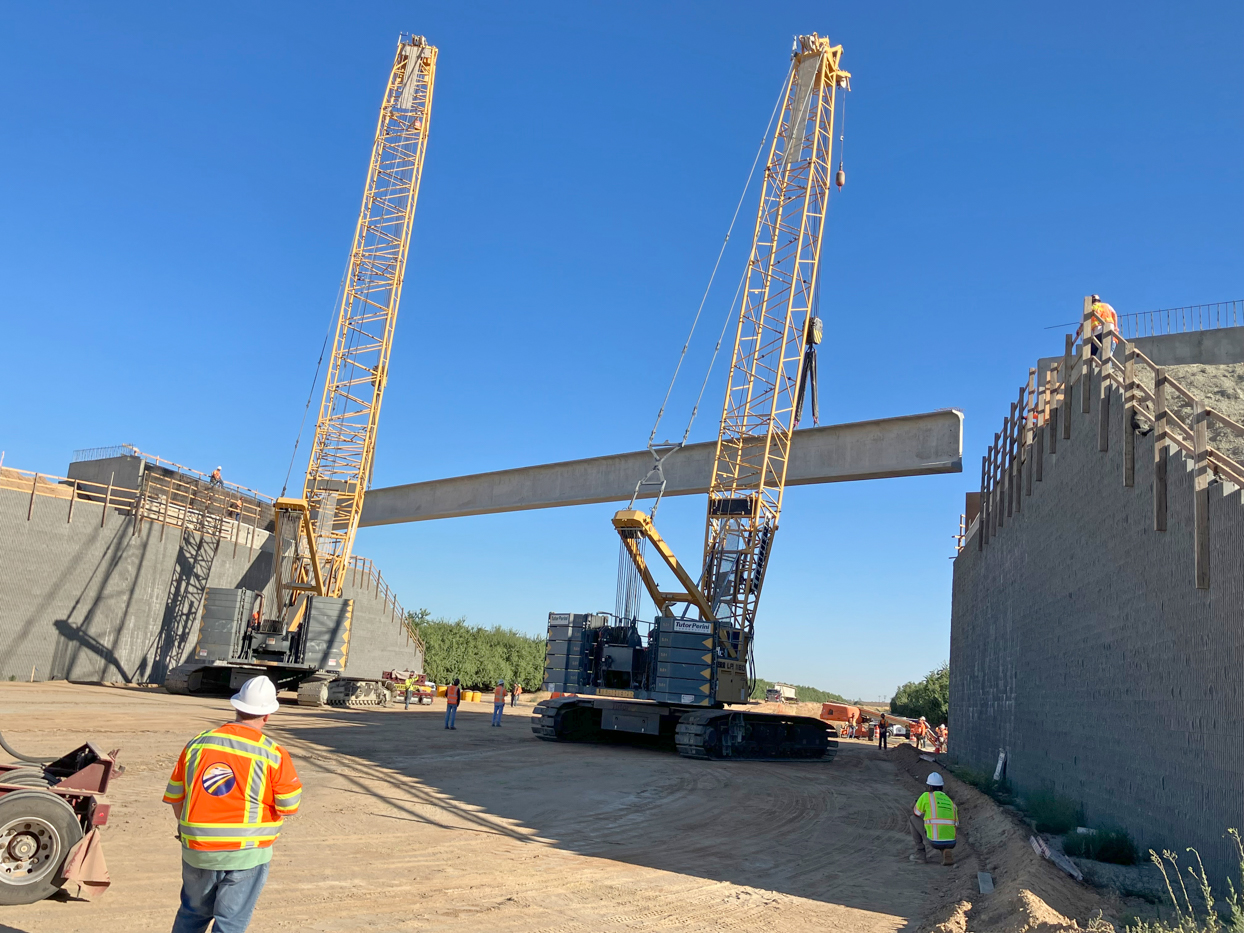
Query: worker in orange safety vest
x,y
453,696
231,789
1094,325
498,702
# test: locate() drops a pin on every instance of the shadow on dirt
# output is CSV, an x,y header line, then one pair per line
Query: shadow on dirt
x,y
834,832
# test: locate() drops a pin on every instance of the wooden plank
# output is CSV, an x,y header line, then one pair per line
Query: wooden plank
x,y
1160,452
982,521
1010,463
1029,432
1066,406
1038,455
999,511
1086,374
1200,487
1129,417
1105,370
107,500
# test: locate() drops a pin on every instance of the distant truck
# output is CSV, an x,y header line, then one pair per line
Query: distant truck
x,y
781,693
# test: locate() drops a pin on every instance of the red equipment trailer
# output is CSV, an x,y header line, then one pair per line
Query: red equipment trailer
x,y
47,808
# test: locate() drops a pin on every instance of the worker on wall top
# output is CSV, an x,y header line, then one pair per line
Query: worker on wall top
x,y
1099,315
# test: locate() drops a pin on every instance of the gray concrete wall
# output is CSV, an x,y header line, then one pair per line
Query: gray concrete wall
x,y
1216,347
83,602
1080,644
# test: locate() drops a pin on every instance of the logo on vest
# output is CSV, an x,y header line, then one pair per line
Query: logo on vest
x,y
218,780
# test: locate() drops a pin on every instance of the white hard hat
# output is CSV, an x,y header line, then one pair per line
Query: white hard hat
x,y
934,780
256,698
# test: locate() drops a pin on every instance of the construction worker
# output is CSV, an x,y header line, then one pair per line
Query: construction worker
x,y
922,730
934,821
883,730
942,735
214,479
1100,314
231,789
498,702
515,692
453,696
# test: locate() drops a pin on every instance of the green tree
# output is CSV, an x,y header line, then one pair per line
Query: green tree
x,y
929,698
477,656
804,694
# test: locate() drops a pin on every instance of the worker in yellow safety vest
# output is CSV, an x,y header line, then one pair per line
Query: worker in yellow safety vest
x,y
933,821
498,702
453,696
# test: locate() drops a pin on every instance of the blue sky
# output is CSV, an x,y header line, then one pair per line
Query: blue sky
x,y
179,184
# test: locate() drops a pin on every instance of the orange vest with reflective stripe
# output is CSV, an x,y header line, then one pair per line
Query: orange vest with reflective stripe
x,y
498,695
235,786
451,695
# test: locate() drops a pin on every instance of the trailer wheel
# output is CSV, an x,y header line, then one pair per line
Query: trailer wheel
x,y
37,830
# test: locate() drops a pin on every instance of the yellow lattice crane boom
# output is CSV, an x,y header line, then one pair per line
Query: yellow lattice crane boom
x,y
304,636
776,325
691,663
316,533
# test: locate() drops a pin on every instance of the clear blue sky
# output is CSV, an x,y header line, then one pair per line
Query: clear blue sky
x,y
179,184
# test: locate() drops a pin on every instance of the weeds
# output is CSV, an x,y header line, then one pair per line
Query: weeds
x,y
984,782
1051,812
1106,845
1186,918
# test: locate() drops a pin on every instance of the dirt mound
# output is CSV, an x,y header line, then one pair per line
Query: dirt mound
x,y
1030,894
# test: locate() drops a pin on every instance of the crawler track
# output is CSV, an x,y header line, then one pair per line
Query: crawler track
x,y
717,734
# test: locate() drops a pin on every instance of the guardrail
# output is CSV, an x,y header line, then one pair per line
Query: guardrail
x,y
129,450
1182,320
1041,414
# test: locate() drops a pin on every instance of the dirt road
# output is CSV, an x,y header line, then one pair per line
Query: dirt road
x,y
406,826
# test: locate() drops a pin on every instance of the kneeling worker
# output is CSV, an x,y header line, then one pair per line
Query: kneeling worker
x,y
933,822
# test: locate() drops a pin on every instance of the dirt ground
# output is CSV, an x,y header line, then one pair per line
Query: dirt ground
x,y
405,826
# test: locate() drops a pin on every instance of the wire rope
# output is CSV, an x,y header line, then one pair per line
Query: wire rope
x,y
716,265
315,380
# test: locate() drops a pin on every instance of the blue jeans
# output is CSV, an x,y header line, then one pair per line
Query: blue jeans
x,y
451,713
497,710
228,897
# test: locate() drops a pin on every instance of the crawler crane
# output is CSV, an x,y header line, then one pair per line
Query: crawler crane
x,y
675,679
300,634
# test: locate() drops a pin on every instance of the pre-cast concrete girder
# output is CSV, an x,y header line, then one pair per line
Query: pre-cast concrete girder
x,y
911,445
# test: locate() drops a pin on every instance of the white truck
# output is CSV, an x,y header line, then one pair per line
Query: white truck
x,y
781,693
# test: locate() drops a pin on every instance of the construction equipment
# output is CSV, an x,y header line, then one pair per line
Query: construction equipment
x,y
300,634
47,807
674,679
781,693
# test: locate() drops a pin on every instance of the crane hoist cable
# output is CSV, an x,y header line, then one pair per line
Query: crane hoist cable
x,y
315,380
656,475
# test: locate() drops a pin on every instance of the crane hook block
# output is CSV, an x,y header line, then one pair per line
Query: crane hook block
x,y
841,178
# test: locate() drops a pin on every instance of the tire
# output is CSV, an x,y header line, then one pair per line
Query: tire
x,y
37,830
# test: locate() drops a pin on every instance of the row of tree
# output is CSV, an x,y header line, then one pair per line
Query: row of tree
x,y
478,656
929,698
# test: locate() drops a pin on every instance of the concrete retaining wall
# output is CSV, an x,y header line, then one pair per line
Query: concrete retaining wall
x,y
1080,644
83,602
